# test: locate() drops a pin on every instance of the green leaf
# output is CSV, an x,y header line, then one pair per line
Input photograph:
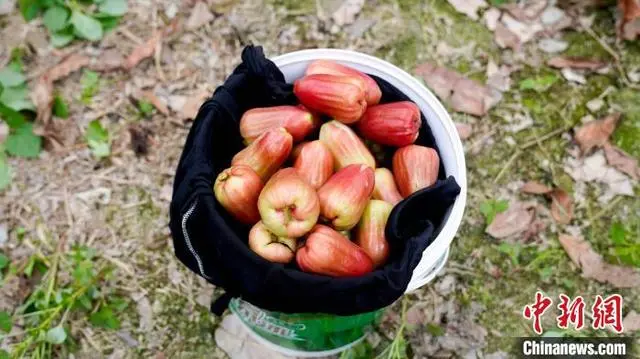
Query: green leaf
x,y
85,302
29,9
100,149
22,142
86,27
96,132
492,207
98,139
113,7
539,83
13,118
4,354
62,38
56,335
145,108
105,318
5,172
118,304
435,330
5,322
90,82
108,22
4,261
55,18
17,98
513,250
83,273
10,76
60,108
617,233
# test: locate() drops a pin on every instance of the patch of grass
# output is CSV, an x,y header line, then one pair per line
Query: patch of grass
x,y
303,6
90,82
627,135
74,286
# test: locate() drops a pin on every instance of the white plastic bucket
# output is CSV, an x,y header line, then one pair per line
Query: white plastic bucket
x,y
295,63
293,66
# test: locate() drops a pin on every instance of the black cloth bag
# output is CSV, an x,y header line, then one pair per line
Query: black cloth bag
x,y
213,245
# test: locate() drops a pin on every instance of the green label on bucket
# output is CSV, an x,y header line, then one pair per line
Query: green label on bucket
x,y
305,332
262,320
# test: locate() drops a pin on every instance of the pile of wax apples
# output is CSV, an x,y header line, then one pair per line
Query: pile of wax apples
x,y
330,207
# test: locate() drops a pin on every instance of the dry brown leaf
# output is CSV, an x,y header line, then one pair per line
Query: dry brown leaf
x,y
629,24
561,206
150,97
191,107
534,187
463,94
535,227
622,161
42,93
109,60
594,267
596,133
71,64
505,38
516,219
631,322
581,63
143,51
464,130
200,15
42,97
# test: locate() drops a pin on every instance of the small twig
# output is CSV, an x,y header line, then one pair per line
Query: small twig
x,y
545,137
602,212
611,52
507,165
156,60
130,36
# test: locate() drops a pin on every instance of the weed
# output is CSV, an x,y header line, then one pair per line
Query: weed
x,y
46,314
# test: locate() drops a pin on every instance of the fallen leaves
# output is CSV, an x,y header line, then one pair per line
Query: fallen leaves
x,y
148,48
629,24
620,160
42,92
150,97
533,187
192,105
561,201
561,206
143,51
516,219
581,63
200,15
596,133
515,24
594,267
594,169
463,94
468,7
